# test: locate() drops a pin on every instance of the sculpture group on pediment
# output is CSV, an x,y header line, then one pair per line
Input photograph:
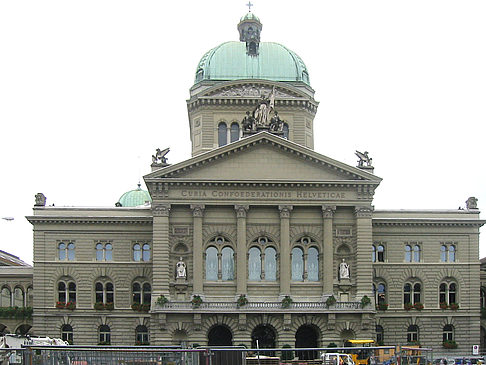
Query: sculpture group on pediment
x,y
263,117
159,157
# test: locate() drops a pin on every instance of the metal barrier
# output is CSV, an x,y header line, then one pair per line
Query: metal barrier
x,y
154,355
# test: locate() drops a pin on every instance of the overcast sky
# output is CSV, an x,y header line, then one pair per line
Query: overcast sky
x,y
89,90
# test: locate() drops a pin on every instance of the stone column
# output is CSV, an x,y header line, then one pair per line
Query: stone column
x,y
328,251
241,251
364,240
285,269
197,260
160,249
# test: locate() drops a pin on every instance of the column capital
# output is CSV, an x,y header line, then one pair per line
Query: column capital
x,y
363,212
328,211
161,210
197,210
241,210
285,210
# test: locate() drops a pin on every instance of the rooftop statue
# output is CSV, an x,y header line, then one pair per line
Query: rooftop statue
x,y
472,203
159,157
363,159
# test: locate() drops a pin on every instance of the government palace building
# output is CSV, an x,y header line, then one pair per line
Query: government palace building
x,y
255,237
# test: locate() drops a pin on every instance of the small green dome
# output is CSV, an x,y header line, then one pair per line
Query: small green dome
x,y
249,16
134,198
230,61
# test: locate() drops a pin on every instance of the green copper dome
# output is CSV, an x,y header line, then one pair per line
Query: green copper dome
x,y
134,198
230,61
251,59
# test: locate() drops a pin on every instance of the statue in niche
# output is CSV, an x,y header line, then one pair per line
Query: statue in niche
x,y
343,270
181,272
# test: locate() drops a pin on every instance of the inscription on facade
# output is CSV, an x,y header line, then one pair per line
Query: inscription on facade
x,y
230,194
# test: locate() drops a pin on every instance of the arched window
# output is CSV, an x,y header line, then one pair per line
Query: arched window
x,y
70,251
380,335
413,334
66,251
235,132
104,292
137,252
18,297
141,252
66,291
212,263
447,293
146,252
30,297
408,253
104,333
373,253
270,264
483,297
254,264
227,264
313,264
285,130
67,333
104,251
380,294
452,253
443,253
412,293
222,134
448,333
6,297
416,253
141,335
297,264
380,253
141,293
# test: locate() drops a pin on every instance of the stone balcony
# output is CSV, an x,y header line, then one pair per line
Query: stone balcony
x,y
258,307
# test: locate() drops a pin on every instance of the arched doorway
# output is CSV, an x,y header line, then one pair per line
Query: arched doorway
x,y
23,329
265,335
347,335
306,337
220,336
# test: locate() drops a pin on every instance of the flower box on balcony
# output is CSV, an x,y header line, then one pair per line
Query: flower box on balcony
x,y
418,306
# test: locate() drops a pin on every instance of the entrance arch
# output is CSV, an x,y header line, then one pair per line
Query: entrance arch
x,y
265,335
306,337
220,336
347,335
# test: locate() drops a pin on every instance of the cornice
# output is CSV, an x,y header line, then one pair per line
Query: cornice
x,y
89,220
377,222
238,102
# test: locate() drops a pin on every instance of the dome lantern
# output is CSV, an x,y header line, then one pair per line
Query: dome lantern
x,y
250,29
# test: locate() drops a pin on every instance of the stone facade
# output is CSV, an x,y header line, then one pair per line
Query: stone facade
x,y
274,242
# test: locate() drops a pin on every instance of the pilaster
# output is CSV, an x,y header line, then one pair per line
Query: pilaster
x,y
364,241
197,270
241,257
285,249
160,250
328,250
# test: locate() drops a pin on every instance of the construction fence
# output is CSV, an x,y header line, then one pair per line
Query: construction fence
x,y
154,355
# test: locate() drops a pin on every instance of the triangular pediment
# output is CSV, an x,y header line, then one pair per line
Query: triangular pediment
x,y
263,158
